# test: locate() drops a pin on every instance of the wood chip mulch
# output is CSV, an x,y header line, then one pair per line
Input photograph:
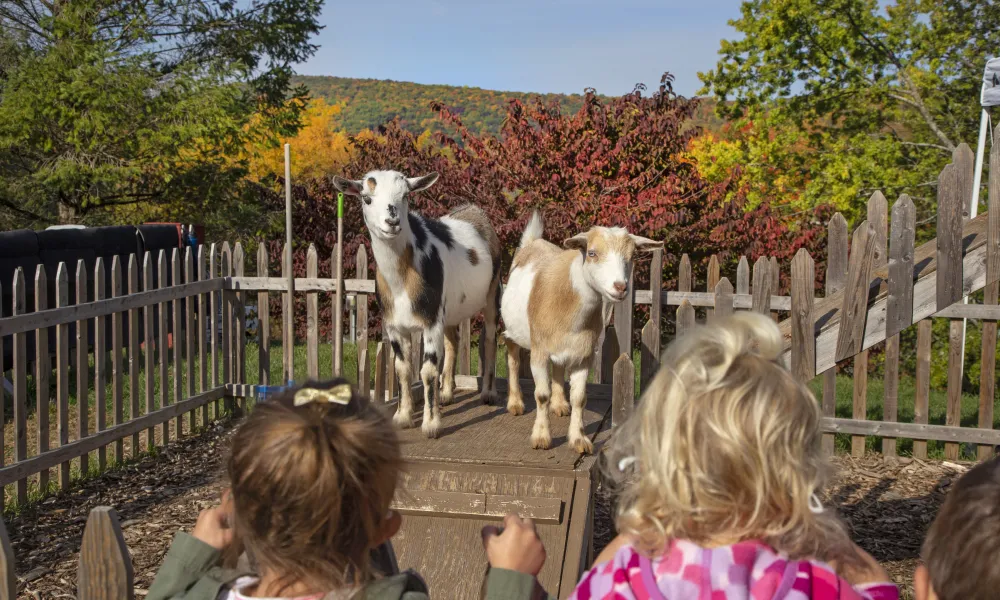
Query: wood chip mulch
x,y
889,503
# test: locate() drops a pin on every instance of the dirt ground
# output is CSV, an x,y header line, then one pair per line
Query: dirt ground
x,y
888,503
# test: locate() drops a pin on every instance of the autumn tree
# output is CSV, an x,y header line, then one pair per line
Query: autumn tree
x,y
111,104
858,96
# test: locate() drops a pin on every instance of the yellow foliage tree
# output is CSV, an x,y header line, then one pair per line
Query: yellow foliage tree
x,y
318,149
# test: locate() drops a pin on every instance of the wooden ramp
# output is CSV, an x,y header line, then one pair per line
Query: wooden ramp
x,y
480,468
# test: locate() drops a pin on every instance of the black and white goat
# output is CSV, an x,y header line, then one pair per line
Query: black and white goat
x,y
431,275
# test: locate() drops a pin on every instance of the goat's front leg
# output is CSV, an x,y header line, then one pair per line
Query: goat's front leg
x,y
401,345
578,397
541,437
560,407
450,356
515,400
433,357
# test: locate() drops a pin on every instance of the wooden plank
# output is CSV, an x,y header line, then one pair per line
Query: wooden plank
x,y
214,313
803,331
685,318
953,413
8,577
312,316
62,371
91,310
860,405
723,299
149,316
43,374
624,318
178,339
391,382
922,391
263,320
477,505
890,402
775,283
190,337
987,373
743,279
105,567
899,311
684,274
33,465
100,363
82,367
20,376
655,289
982,312
878,217
539,510
855,298
288,328
364,366
648,362
949,237
919,433
204,320
762,286
622,390
712,280
380,359
134,350
239,319
117,346
964,160
163,344
465,347
302,284
227,325
609,351
706,299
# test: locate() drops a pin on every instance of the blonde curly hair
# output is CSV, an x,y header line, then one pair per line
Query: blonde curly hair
x,y
725,447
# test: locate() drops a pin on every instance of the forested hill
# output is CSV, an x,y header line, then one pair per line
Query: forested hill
x,y
370,102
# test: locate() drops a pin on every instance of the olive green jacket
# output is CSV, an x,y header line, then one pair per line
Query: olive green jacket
x,y
191,571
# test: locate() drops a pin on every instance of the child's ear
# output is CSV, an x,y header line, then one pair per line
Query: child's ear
x,y
390,527
922,584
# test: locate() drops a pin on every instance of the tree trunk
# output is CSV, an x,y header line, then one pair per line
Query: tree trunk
x,y
67,213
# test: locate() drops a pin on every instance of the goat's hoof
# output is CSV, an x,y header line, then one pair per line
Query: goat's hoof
x,y
431,427
583,445
541,442
515,408
489,397
402,420
446,398
559,409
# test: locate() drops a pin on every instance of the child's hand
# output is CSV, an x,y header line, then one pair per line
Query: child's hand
x,y
868,571
516,548
213,525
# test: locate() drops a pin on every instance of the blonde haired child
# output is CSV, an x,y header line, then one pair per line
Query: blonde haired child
x,y
720,475
313,473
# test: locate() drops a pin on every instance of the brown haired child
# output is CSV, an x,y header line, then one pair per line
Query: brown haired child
x,y
312,475
960,550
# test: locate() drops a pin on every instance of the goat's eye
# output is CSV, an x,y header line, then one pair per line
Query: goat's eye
x,y
367,200
592,253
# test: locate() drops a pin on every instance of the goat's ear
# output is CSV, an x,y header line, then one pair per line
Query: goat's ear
x,y
645,244
423,182
348,186
577,242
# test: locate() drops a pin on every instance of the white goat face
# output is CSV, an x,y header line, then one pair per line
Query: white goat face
x,y
608,253
384,198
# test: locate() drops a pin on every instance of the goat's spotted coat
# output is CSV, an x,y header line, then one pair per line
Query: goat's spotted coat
x,y
431,274
556,304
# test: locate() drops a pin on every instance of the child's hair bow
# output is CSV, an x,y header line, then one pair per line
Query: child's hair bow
x,y
340,394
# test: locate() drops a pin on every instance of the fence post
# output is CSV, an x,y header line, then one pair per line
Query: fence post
x,y
312,316
82,367
227,326
100,362
622,390
950,287
609,352
743,277
177,339
105,567
239,321
803,326
20,386
8,579
836,275
712,280
987,378
899,309
685,318
190,337
263,320
43,373
762,286
723,299
163,346
361,301
117,373
379,392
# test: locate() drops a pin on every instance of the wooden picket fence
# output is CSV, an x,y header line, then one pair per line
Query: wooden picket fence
x,y
877,284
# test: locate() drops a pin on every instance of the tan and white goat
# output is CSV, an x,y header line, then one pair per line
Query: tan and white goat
x,y
554,305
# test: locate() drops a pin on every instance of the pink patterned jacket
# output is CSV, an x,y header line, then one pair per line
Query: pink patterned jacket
x,y
744,571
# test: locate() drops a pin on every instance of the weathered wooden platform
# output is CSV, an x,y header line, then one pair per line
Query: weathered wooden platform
x,y
482,467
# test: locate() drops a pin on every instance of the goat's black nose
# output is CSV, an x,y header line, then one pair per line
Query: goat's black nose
x,y
392,211
392,222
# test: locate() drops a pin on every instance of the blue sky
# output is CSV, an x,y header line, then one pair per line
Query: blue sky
x,y
524,45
